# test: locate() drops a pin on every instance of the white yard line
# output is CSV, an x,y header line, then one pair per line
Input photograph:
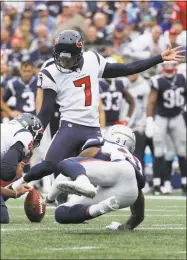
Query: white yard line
x,y
179,252
152,197
167,225
82,229
73,248
173,207
147,197
146,215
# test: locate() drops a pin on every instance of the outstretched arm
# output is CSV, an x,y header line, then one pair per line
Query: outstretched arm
x,y
113,70
137,210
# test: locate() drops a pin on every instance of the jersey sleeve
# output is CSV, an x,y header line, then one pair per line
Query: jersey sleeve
x,y
9,91
101,63
25,137
46,80
153,82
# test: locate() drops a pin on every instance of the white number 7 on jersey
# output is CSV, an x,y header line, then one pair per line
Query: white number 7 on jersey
x,y
86,83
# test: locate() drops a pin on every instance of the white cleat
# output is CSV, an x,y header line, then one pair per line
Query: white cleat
x,y
108,205
167,188
78,188
113,226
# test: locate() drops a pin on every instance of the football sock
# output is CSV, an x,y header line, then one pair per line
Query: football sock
x,y
159,168
40,170
74,214
71,168
95,210
182,165
54,192
167,173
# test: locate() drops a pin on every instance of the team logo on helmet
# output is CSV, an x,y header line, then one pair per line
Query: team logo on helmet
x,y
79,44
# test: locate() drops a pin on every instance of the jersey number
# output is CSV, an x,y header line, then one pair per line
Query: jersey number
x,y
86,83
29,101
173,98
111,101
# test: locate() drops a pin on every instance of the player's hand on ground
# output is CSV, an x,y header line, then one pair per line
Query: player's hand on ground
x,y
19,170
22,190
14,113
173,54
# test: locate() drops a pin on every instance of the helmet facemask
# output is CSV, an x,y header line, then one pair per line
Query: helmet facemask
x,y
66,61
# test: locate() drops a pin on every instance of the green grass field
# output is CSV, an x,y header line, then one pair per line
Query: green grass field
x,y
161,236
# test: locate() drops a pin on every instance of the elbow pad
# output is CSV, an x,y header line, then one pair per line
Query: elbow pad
x,y
93,142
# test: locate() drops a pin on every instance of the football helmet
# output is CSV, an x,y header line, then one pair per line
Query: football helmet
x,y
169,68
121,135
33,124
68,49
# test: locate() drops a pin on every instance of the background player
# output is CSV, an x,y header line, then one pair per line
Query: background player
x,y
167,92
23,89
113,92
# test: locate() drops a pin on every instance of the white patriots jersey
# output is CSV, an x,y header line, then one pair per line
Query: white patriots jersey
x,y
12,133
140,90
119,153
77,91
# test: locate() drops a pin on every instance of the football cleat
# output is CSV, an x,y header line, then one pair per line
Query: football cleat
x,y
166,189
50,202
183,187
156,190
78,188
108,205
113,226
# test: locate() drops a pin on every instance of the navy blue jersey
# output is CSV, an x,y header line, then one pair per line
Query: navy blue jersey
x,y
25,94
171,94
112,94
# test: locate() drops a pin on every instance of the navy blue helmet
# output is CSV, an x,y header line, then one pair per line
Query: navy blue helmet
x,y
68,49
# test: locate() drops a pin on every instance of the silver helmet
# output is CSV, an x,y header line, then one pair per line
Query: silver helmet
x,y
121,135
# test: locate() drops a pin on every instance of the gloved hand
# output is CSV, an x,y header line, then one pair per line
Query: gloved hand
x,y
149,129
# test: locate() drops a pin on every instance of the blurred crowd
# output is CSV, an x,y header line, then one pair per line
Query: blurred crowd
x,y
123,30
128,29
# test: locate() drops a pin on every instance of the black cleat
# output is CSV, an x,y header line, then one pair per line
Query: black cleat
x,y
183,187
156,190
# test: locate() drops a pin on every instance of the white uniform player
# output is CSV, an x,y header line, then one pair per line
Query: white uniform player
x,y
11,133
77,92
18,139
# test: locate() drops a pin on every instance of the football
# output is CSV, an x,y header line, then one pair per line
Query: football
x,y
35,206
